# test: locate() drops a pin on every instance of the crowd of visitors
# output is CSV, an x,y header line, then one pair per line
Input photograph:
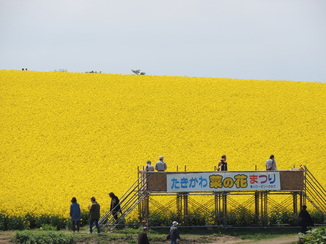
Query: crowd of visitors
x,y
94,210
161,166
305,219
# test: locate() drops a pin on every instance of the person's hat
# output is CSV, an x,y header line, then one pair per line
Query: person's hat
x,y
174,223
223,156
145,228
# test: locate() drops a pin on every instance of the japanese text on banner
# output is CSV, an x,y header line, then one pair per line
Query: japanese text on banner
x,y
237,181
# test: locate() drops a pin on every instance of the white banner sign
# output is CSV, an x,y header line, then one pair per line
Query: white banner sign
x,y
226,181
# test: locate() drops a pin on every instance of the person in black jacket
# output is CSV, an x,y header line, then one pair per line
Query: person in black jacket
x,y
142,236
115,205
305,219
222,165
94,210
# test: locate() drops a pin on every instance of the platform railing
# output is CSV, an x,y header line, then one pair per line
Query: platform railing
x,y
314,192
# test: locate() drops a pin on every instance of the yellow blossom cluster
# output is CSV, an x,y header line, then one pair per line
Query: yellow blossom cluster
x,y
80,135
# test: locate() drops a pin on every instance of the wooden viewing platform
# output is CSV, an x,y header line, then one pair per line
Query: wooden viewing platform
x,y
222,185
219,195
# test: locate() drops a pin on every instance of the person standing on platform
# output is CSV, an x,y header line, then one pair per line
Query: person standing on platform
x,y
161,165
75,214
222,165
149,167
271,164
142,236
94,215
305,219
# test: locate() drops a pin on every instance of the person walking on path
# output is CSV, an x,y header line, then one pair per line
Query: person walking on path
x,y
174,233
115,206
271,164
161,165
222,165
94,215
305,219
75,214
142,236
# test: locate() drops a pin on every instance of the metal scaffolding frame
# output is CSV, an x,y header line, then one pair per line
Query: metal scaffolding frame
x,y
258,204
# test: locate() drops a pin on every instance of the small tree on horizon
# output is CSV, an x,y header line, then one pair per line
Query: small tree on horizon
x,y
137,72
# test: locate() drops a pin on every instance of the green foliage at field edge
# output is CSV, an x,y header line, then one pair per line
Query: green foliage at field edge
x,y
42,237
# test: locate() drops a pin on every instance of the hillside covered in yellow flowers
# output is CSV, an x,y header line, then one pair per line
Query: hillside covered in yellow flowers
x,y
84,135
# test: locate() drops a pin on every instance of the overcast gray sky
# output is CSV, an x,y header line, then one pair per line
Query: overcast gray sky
x,y
246,39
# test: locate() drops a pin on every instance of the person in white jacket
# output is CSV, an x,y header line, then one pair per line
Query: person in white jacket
x,y
271,164
161,165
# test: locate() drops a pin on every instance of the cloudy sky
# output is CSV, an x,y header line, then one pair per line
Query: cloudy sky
x,y
246,39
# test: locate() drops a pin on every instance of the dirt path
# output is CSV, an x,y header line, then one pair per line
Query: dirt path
x,y
278,240
5,238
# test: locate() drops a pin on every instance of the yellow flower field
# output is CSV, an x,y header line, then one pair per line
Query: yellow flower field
x,y
84,135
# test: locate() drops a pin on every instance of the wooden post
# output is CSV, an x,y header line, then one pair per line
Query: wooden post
x,y
179,205
301,199
257,207
264,208
295,203
140,208
218,202
147,209
185,205
303,202
216,207
225,208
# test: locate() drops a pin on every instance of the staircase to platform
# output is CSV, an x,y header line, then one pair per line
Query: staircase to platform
x,y
314,192
128,202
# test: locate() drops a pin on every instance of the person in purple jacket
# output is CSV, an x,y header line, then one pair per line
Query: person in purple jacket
x,y
75,214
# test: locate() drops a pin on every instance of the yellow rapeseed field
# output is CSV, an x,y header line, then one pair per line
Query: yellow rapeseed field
x,y
84,135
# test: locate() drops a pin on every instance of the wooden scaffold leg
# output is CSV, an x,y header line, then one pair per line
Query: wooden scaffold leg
x,y
218,207
179,205
257,208
295,202
225,202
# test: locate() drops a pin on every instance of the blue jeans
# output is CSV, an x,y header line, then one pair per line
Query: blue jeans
x,y
174,242
91,225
